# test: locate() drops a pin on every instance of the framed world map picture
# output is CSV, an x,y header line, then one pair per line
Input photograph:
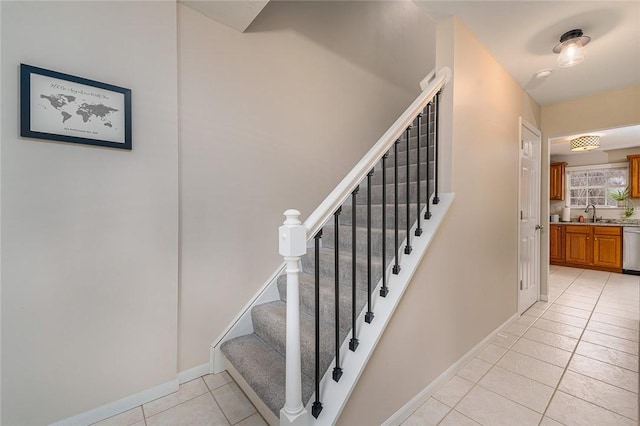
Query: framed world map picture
x,y
66,108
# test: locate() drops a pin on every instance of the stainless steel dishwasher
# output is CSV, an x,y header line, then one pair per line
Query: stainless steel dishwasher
x,y
631,250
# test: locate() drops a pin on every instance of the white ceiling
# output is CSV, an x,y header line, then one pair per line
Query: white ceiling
x,y
618,138
236,14
521,34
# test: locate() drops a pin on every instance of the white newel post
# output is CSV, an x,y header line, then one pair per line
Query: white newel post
x,y
293,244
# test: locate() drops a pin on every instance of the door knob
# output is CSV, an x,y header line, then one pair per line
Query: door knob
x,y
539,227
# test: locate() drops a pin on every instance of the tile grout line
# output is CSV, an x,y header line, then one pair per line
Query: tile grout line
x,y
565,368
571,358
546,408
616,337
220,406
608,363
477,383
180,403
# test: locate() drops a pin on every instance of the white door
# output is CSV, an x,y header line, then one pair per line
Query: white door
x,y
529,214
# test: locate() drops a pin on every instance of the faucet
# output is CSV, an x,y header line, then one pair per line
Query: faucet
x,y
594,211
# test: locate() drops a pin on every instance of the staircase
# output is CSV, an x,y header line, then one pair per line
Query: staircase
x,y
347,258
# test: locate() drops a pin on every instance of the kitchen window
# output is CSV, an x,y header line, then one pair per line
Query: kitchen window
x,y
594,184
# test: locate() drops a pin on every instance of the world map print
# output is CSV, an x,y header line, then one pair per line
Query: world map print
x,y
69,106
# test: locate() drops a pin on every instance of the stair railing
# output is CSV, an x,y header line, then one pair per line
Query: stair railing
x,y
293,237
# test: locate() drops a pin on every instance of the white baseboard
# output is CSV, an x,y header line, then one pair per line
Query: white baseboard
x,y
194,373
125,404
406,410
544,298
119,406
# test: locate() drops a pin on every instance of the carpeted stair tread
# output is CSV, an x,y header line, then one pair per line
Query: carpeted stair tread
x,y
328,239
263,368
327,290
376,193
269,322
413,154
376,214
376,179
327,267
413,141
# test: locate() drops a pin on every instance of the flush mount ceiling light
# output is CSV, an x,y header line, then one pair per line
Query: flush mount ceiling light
x,y
543,73
585,143
570,48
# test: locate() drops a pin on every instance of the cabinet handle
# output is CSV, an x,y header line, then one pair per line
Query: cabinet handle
x,y
587,238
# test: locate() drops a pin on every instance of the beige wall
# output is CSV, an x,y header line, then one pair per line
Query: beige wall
x,y
270,119
616,108
273,119
466,285
89,234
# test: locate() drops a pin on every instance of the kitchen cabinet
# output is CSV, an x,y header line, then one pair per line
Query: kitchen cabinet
x,y
578,245
556,181
607,246
634,175
586,246
556,243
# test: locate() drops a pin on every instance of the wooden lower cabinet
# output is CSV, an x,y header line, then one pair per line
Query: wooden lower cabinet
x,y
578,245
556,244
607,246
586,246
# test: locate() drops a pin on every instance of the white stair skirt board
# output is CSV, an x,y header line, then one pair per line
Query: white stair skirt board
x,y
194,373
405,411
334,396
242,324
120,406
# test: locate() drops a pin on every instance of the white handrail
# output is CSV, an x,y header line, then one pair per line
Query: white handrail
x,y
339,195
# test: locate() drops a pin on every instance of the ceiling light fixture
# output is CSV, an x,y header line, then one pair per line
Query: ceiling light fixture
x,y
543,73
585,143
570,48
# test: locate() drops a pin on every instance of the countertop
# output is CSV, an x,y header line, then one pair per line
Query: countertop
x,y
603,222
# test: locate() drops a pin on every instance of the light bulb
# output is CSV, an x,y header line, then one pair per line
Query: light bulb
x,y
571,54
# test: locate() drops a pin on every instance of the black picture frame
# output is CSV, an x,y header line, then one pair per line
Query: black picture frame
x,y
66,108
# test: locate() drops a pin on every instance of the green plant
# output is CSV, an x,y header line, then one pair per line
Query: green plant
x,y
629,209
620,194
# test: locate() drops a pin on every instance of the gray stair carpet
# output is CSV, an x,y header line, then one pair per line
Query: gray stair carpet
x,y
260,357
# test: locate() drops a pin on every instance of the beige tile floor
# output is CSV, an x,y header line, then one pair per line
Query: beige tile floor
x,y
570,361
211,400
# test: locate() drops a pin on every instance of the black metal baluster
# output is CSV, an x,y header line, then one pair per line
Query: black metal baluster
x,y
368,317
384,290
418,228
407,248
353,343
396,266
427,213
337,371
436,199
317,405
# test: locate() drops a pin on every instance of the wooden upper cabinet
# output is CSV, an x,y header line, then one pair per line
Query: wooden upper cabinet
x,y
634,175
556,181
